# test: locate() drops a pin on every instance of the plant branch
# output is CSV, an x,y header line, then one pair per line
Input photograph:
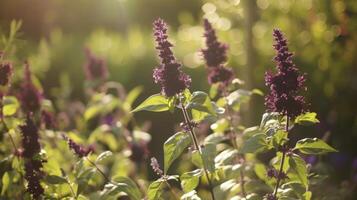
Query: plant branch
x,y
282,160
99,170
172,190
234,143
197,146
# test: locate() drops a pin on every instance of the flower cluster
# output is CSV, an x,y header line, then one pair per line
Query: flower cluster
x,y
156,167
273,173
95,67
33,164
29,96
48,119
168,74
139,151
78,149
286,83
215,56
5,73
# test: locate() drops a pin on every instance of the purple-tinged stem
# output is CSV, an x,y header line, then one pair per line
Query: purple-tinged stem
x,y
282,160
197,146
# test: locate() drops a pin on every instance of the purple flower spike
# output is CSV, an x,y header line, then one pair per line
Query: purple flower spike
x,y
286,83
95,67
156,167
33,166
220,74
216,53
215,56
5,73
29,96
80,150
168,74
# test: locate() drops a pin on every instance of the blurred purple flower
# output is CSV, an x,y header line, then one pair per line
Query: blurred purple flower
x,y
354,164
95,67
29,96
286,83
139,151
216,53
339,160
311,159
33,175
33,164
168,74
48,119
80,150
156,167
215,56
5,73
220,74
270,197
30,139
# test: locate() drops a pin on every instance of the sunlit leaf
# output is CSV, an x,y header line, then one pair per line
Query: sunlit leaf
x,y
103,157
256,143
173,148
298,166
155,103
190,180
313,146
308,118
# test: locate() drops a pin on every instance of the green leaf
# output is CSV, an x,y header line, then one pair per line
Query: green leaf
x,y
53,179
226,157
190,196
205,160
133,95
279,138
257,143
261,171
155,103
190,180
103,156
154,191
173,148
125,184
306,119
201,102
11,105
298,166
5,183
313,146
308,195
208,155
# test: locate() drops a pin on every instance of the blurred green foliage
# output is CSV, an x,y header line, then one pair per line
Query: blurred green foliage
x,y
323,33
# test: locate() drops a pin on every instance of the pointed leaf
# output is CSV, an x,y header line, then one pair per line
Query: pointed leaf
x,y
173,148
155,103
313,146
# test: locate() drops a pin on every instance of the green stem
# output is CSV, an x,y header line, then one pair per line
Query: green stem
x,y
99,170
234,143
197,146
282,160
172,190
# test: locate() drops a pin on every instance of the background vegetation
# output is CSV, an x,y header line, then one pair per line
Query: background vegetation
x,y
323,34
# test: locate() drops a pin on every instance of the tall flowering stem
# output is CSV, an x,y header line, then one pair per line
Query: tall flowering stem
x,y
33,162
195,142
156,168
281,173
286,83
95,67
215,56
168,74
284,88
30,96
